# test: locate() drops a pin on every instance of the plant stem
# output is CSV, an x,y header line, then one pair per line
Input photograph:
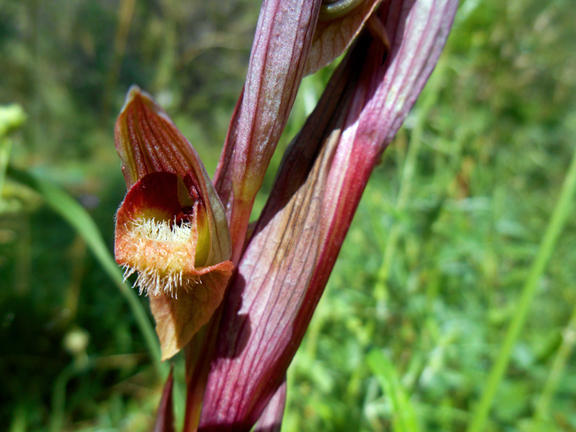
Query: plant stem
x,y
556,371
403,413
553,230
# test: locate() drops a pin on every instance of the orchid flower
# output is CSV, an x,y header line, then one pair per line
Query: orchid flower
x,y
240,299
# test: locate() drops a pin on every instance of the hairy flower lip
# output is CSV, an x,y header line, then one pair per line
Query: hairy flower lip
x,y
157,234
148,142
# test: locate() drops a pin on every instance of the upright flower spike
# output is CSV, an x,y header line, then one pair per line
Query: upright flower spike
x,y
288,259
171,227
282,42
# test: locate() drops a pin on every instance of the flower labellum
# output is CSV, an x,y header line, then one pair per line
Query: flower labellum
x,y
171,228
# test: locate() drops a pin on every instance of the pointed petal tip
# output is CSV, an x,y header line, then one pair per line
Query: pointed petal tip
x,y
133,92
179,319
169,351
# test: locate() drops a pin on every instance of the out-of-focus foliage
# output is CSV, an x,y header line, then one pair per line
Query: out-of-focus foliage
x,y
430,273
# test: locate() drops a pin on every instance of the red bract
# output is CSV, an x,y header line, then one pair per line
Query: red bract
x,y
237,363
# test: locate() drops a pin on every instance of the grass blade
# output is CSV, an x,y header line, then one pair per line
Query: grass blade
x,y
403,411
553,230
542,412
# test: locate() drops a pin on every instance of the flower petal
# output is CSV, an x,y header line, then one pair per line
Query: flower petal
x,y
178,319
333,36
282,42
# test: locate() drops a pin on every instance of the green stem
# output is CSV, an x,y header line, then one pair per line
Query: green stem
x,y
403,413
558,365
59,394
553,230
5,147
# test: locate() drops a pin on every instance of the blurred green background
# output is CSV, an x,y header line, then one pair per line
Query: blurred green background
x,y
437,264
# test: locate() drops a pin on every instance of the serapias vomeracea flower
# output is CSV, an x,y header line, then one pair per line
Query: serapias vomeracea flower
x,y
237,367
171,228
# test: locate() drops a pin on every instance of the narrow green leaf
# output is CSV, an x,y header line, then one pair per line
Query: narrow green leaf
x,y
404,416
563,209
